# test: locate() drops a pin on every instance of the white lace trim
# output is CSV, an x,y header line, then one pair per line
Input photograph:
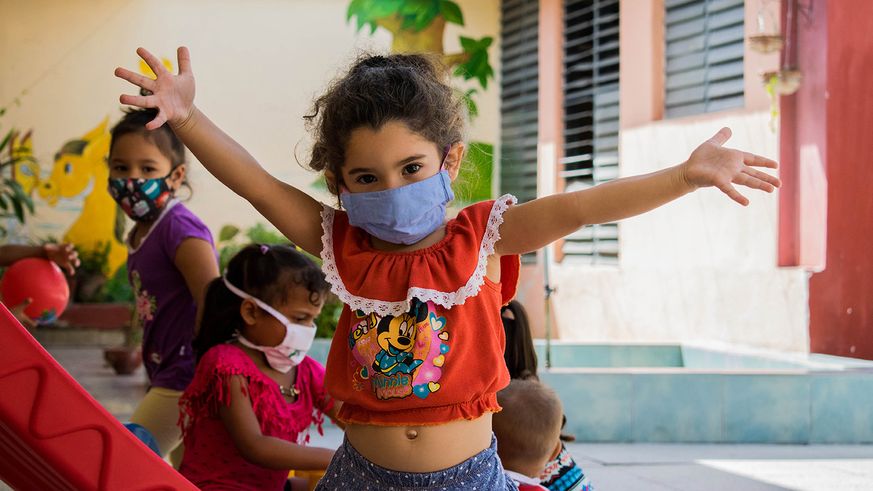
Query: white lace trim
x,y
444,299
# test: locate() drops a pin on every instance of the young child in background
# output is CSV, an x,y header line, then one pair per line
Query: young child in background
x,y
64,255
417,358
171,258
520,355
561,473
246,414
528,430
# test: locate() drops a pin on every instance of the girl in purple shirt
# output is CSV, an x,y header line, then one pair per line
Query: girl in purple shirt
x,y
171,259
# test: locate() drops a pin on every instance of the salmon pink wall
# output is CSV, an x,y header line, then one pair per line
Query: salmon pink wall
x,y
841,296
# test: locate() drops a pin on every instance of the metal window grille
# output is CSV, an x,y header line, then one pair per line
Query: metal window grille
x,y
518,98
519,101
704,56
591,123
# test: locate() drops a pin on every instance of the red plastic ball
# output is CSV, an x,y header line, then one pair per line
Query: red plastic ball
x,y
40,280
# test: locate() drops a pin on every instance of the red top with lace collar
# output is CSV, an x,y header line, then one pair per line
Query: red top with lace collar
x,y
211,459
420,340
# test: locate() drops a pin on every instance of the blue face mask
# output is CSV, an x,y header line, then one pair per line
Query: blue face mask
x,y
403,215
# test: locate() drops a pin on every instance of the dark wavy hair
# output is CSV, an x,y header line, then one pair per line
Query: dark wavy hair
x,y
409,88
266,272
170,146
520,355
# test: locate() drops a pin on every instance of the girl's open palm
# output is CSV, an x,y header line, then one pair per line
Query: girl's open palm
x,y
172,95
711,164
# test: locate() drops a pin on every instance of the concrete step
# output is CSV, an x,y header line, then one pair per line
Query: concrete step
x,y
75,336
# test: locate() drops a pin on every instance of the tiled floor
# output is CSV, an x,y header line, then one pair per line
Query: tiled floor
x,y
610,466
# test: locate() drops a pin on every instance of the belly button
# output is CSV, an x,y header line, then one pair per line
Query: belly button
x,y
411,434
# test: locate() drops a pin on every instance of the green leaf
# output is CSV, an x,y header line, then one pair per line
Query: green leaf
x,y
467,44
418,14
485,74
474,182
28,202
19,210
368,12
227,232
451,12
414,7
477,65
355,8
19,196
16,197
3,204
377,9
262,234
6,139
472,108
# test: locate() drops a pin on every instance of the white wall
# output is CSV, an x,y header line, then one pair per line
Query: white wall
x,y
699,269
258,64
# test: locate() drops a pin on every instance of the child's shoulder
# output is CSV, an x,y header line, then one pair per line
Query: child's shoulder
x,y
481,221
486,211
225,357
180,223
182,215
310,364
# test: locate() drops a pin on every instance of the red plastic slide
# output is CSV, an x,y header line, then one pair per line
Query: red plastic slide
x,y
55,436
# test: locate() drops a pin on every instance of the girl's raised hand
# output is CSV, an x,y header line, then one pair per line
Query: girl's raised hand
x,y
172,95
711,164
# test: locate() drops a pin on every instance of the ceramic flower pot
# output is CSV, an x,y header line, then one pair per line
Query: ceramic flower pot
x,y
123,359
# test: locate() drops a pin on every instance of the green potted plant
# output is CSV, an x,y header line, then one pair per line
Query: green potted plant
x,y
15,157
116,293
125,359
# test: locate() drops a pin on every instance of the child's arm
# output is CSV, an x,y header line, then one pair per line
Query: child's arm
x,y
532,225
64,255
196,261
274,453
18,312
293,212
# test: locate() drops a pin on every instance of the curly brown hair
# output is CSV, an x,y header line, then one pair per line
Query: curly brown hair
x,y
410,88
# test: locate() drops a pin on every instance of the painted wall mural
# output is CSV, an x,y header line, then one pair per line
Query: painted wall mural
x,y
80,172
418,26
16,160
25,168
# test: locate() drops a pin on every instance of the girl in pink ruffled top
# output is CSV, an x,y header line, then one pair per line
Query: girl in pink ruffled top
x,y
255,393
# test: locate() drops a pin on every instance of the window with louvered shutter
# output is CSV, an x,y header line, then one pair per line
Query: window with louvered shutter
x,y
591,123
518,98
704,51
519,64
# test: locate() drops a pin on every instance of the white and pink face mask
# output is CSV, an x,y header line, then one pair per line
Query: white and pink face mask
x,y
292,349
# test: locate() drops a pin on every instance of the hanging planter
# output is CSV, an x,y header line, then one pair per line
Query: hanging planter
x,y
785,81
768,39
780,82
766,43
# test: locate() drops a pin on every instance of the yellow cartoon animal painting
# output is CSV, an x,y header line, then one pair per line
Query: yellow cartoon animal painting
x,y
80,170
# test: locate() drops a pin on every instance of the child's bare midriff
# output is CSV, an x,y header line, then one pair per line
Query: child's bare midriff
x,y
444,445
